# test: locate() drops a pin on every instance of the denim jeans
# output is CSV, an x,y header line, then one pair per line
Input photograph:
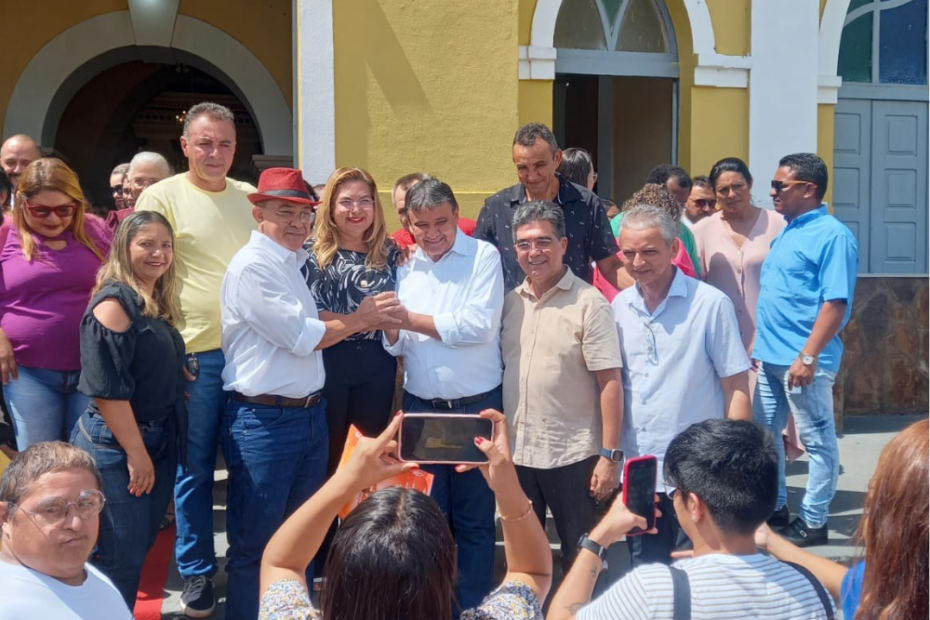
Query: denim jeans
x,y
129,524
812,407
276,458
44,405
468,504
193,490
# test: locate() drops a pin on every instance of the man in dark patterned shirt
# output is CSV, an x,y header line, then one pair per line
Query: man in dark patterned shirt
x,y
536,155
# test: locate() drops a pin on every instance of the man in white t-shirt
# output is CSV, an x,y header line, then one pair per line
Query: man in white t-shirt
x,y
43,562
725,477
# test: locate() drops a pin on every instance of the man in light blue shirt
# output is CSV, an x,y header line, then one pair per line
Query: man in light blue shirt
x,y
683,359
806,296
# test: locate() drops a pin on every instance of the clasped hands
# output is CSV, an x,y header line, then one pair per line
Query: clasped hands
x,y
383,311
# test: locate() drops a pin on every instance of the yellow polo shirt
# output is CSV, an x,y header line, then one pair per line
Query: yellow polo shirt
x,y
209,228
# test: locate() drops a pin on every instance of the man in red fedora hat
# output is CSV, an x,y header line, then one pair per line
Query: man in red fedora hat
x,y
274,432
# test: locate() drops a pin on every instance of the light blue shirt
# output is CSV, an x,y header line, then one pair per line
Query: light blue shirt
x,y
464,293
815,259
695,339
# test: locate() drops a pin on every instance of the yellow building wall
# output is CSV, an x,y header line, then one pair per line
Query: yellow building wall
x,y
29,26
428,86
825,138
720,126
264,28
732,21
535,104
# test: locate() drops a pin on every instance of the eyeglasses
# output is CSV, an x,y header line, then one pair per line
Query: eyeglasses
x,y
364,203
736,188
143,182
52,511
670,491
652,352
780,186
42,212
542,244
302,216
706,203
117,190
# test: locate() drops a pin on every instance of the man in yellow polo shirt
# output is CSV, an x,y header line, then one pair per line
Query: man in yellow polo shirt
x,y
212,219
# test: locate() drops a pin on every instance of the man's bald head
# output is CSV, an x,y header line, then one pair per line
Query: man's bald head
x,y
16,153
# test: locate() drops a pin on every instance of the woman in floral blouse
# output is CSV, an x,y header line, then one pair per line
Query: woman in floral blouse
x,y
394,555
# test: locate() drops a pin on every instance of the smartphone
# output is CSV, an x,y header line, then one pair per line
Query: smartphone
x,y
442,438
193,365
639,489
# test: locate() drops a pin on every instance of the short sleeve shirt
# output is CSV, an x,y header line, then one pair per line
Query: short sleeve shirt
x,y
586,227
552,346
347,280
815,259
673,360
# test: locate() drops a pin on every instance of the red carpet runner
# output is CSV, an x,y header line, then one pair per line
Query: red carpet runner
x,y
154,574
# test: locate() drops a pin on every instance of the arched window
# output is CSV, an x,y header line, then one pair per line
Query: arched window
x,y
885,42
614,25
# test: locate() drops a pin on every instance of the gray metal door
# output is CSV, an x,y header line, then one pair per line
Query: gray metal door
x,y
852,170
899,187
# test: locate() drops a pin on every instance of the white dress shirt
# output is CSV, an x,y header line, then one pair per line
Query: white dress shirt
x,y
464,293
270,323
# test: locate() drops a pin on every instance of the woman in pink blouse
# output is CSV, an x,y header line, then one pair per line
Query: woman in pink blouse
x,y
732,245
50,251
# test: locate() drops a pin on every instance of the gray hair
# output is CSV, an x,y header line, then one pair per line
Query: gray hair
x,y
430,194
39,459
212,110
539,211
529,133
121,170
150,157
644,216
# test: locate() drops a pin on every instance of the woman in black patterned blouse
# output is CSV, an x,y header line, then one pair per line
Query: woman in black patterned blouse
x,y
352,257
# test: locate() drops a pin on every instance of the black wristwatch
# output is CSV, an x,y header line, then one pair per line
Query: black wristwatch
x,y
601,552
615,455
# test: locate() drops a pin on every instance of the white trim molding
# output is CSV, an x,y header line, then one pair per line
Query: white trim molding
x,y
537,63
828,50
315,95
722,71
828,88
109,39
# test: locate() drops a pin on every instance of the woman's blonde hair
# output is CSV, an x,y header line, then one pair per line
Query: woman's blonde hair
x,y
164,303
327,235
54,175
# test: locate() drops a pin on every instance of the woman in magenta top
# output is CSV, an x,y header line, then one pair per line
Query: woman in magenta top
x,y
50,251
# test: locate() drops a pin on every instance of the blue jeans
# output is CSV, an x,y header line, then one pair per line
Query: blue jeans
x,y
469,506
44,405
193,489
129,524
276,458
812,407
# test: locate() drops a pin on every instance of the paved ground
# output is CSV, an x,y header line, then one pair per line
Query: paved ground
x,y
860,446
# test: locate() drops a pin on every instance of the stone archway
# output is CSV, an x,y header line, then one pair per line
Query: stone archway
x,y
72,58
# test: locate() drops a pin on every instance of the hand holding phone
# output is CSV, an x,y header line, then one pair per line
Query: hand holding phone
x,y
437,438
639,489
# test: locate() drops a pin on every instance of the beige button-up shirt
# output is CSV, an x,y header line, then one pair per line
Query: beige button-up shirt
x,y
552,347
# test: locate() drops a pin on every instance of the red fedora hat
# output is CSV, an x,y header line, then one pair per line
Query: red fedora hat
x,y
282,184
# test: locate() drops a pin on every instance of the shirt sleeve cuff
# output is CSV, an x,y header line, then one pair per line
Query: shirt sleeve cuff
x,y
446,328
396,349
310,336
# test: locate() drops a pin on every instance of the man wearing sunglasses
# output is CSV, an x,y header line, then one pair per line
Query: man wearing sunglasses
x,y
806,295
683,358
116,185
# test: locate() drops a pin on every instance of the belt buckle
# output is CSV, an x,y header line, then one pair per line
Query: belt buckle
x,y
449,404
307,401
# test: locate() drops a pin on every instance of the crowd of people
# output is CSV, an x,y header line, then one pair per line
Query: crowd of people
x,y
203,312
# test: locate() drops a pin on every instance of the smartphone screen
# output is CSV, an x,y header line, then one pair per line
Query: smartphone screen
x,y
443,438
639,487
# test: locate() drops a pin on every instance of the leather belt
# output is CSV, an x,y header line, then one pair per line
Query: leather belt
x,y
270,400
454,403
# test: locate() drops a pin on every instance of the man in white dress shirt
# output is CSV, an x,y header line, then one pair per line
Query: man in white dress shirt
x,y
274,432
453,292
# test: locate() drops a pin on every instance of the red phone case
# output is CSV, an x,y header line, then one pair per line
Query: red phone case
x,y
627,466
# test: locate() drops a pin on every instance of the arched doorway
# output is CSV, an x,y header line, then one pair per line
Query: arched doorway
x,y
616,87
136,106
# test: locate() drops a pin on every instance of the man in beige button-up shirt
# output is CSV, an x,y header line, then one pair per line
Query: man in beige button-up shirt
x,y
562,385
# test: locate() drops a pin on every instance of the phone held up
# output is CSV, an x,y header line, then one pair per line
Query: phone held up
x,y
435,438
639,488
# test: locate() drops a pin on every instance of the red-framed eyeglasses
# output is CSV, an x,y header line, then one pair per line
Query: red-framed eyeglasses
x,y
42,211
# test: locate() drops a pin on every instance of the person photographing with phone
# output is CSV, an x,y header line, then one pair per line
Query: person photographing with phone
x,y
394,556
722,477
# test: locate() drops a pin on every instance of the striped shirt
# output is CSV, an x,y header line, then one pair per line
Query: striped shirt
x,y
722,586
